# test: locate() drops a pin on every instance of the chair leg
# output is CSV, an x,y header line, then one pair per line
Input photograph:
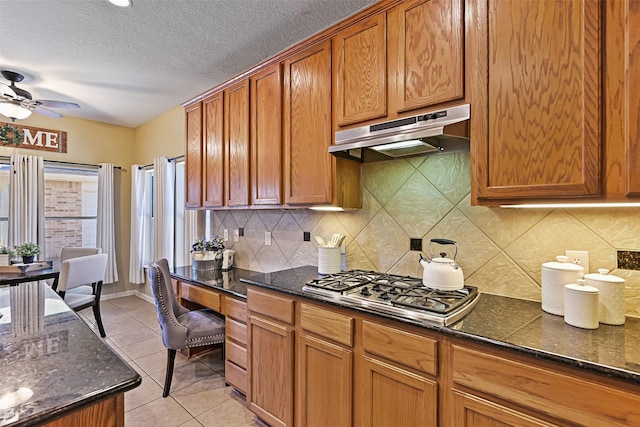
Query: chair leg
x,y
96,314
171,357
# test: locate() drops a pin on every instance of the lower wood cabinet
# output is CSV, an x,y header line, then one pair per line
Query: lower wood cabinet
x,y
324,389
271,353
106,413
236,359
392,396
470,410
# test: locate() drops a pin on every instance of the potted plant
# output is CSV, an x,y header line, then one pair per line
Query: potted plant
x,y
207,254
28,251
6,254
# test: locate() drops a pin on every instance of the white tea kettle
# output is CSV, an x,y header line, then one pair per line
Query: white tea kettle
x,y
442,273
227,259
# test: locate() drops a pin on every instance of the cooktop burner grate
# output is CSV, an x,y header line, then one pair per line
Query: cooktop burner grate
x,y
402,296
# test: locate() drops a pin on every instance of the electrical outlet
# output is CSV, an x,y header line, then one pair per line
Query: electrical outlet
x,y
225,235
415,244
236,235
267,238
241,231
579,257
306,236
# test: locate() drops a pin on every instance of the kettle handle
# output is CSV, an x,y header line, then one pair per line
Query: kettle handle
x,y
444,242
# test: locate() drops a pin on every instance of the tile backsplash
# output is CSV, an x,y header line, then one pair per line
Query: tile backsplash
x,y
500,250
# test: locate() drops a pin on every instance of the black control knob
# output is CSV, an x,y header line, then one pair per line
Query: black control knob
x,y
376,287
384,296
365,291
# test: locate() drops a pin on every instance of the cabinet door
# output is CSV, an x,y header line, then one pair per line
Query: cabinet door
x,y
271,356
633,150
395,397
324,399
236,113
193,157
307,123
213,166
472,411
266,137
360,71
428,44
536,65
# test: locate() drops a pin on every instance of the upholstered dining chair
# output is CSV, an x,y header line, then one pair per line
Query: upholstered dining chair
x,y
181,328
76,252
82,271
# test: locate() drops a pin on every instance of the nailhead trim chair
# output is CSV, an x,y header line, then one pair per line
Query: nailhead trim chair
x,y
78,272
181,328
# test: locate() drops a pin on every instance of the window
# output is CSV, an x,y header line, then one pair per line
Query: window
x,y
70,208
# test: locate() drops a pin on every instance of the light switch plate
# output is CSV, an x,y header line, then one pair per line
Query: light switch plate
x,y
267,238
225,235
236,235
578,257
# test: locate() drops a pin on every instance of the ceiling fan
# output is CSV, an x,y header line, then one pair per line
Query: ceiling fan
x,y
17,103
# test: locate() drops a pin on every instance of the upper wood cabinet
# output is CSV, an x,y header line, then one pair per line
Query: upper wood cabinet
x,y
360,71
266,136
236,160
193,155
535,80
213,152
426,53
307,126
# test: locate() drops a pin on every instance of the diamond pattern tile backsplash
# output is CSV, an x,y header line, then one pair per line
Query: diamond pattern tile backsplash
x,y
501,251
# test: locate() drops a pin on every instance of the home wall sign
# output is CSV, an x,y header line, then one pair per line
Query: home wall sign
x,y
34,138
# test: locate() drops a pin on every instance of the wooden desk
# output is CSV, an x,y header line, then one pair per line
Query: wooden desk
x,y
12,279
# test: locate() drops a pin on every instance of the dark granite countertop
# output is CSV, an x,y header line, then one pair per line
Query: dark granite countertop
x,y
51,362
506,323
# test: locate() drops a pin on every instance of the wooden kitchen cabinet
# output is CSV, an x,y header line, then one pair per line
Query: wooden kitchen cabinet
x,y
236,359
535,81
193,155
237,143
485,381
271,356
324,346
312,175
266,136
360,71
426,52
396,389
214,150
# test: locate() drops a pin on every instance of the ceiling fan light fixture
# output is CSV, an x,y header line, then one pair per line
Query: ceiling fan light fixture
x,y
14,111
121,3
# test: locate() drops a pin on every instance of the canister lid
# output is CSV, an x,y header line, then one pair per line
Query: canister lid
x,y
573,287
563,265
602,276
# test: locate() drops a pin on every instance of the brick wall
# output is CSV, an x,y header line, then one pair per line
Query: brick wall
x,y
62,198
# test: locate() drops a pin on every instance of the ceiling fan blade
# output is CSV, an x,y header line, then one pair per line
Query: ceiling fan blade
x,y
38,109
6,91
57,104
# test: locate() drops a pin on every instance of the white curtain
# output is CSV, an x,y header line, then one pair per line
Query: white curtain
x,y
190,232
164,209
106,233
26,201
136,249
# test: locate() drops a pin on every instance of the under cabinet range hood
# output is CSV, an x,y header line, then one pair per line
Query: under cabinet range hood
x,y
438,131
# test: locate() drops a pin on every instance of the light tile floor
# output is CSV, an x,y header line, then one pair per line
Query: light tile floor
x,y
198,394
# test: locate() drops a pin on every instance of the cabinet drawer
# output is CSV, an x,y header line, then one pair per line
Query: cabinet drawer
x,y
202,296
236,353
327,324
236,376
564,396
236,331
274,306
409,349
236,309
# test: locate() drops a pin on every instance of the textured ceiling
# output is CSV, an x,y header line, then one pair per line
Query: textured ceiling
x,y
125,66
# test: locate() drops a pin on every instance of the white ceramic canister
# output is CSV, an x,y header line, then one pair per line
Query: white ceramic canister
x,y
581,307
611,290
329,260
554,276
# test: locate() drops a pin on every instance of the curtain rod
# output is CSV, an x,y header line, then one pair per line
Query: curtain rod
x,y
66,163
169,159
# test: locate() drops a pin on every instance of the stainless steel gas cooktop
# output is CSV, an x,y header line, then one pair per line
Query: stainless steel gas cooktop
x,y
401,296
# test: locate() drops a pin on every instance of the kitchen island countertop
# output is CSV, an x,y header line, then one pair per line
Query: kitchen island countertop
x,y
52,363
507,323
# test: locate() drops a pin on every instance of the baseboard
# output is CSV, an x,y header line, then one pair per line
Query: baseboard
x,y
139,294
